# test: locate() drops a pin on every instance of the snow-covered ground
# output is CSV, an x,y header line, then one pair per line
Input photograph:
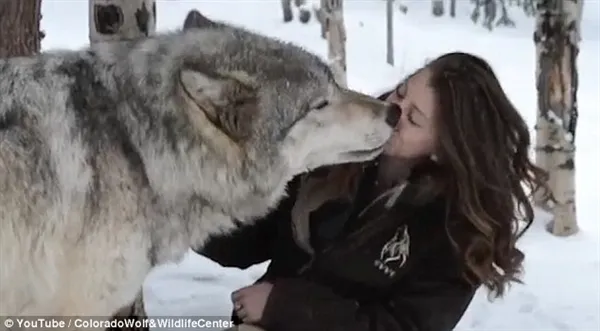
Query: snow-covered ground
x,y
561,290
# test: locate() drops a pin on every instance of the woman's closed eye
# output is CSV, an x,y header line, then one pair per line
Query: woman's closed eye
x,y
400,93
411,119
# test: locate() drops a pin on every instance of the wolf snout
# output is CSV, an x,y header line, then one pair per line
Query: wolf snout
x,y
393,115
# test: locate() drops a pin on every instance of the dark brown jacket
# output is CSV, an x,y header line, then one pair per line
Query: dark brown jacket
x,y
404,277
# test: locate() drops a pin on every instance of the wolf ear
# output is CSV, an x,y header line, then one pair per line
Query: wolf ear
x,y
230,99
218,89
202,87
196,20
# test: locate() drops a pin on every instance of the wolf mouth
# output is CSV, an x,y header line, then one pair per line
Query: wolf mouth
x,y
365,153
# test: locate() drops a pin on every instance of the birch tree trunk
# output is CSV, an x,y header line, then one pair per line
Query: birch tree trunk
x,y
390,31
437,8
323,17
114,20
286,7
117,20
545,138
557,39
20,33
336,40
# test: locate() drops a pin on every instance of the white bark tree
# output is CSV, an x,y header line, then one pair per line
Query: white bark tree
x,y
114,20
323,17
336,39
557,37
390,31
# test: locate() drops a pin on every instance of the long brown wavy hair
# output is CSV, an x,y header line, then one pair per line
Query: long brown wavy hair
x,y
483,171
483,145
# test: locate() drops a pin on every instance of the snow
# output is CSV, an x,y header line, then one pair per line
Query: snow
x,y
561,283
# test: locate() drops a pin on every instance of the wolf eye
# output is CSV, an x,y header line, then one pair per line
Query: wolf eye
x,y
321,104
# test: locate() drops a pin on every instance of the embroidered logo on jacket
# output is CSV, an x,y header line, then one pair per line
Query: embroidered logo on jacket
x,y
395,252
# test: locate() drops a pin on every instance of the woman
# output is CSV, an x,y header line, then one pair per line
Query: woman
x,y
401,243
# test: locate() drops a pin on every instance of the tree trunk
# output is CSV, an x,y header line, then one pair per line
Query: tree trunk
x,y
489,10
286,7
336,40
437,8
452,8
505,19
476,10
544,143
20,33
557,39
323,17
118,20
115,20
303,11
390,31
529,7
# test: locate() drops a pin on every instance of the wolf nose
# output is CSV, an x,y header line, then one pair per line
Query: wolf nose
x,y
394,112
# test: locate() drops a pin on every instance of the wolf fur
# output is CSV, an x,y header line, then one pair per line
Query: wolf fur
x,y
121,156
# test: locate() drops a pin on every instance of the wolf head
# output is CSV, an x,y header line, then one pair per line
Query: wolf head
x,y
275,100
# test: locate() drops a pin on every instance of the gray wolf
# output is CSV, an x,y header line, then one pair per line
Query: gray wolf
x,y
121,156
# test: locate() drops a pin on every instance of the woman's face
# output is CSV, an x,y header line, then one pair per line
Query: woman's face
x,y
414,135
